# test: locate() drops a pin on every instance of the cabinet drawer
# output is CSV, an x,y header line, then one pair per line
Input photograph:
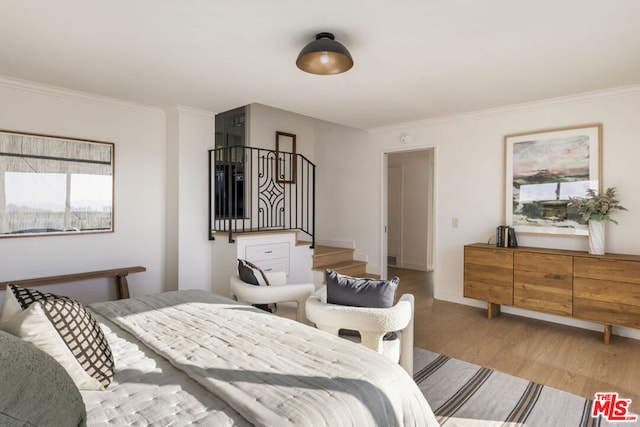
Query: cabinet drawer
x,y
543,282
607,269
607,312
488,275
553,264
500,258
264,252
487,292
502,277
607,291
277,264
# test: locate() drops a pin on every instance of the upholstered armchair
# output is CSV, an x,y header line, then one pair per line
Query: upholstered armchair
x,y
277,291
373,324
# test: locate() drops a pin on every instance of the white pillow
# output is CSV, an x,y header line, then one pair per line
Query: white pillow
x,y
33,325
11,305
63,328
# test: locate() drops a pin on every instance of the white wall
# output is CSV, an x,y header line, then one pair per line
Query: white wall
x,y
348,180
139,135
264,121
470,179
191,135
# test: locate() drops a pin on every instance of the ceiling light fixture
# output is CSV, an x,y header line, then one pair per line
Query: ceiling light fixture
x,y
324,56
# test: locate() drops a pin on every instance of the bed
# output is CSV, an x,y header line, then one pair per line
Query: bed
x,y
193,357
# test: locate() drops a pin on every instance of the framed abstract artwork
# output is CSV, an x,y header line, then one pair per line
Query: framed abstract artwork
x,y
52,185
542,170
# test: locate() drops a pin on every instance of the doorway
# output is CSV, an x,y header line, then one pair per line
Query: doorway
x,y
409,208
229,190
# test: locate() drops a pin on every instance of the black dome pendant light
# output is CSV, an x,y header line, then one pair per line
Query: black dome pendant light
x,y
324,56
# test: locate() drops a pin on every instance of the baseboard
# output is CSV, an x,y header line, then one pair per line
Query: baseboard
x,y
456,298
410,266
336,243
360,256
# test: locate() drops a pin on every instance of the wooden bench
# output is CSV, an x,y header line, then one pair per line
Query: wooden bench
x,y
120,274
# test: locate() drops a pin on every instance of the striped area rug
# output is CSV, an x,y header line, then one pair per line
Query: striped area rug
x,y
463,394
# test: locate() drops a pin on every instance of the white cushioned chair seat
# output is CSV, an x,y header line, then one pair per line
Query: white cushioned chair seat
x,y
277,291
371,323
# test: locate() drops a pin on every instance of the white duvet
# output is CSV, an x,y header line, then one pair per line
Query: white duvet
x,y
272,371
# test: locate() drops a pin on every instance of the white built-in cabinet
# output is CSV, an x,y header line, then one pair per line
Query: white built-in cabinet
x,y
269,256
277,252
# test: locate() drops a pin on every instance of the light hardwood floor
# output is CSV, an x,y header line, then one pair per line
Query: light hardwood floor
x,y
564,357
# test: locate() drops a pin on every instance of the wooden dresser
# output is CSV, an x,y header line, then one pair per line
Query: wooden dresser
x,y
598,288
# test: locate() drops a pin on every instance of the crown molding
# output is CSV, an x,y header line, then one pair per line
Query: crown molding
x,y
49,90
194,111
473,115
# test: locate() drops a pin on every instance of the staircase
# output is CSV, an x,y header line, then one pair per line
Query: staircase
x,y
340,260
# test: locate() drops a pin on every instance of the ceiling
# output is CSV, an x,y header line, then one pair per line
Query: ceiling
x,y
414,59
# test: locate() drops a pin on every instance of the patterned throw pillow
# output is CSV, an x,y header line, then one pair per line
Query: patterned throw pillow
x,y
251,273
63,328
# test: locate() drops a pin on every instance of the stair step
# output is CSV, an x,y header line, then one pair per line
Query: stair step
x,y
326,256
348,268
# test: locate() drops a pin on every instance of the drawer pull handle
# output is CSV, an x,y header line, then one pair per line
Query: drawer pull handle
x,y
268,269
268,252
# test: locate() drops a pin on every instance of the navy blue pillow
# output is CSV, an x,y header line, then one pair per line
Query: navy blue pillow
x,y
357,292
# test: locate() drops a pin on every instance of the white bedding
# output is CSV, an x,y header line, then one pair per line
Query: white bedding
x,y
147,390
271,370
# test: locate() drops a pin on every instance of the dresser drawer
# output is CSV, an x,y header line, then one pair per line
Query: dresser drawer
x,y
543,282
608,291
488,275
277,264
560,265
612,313
609,269
499,258
266,252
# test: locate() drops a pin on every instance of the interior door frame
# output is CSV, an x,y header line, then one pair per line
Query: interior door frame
x,y
384,164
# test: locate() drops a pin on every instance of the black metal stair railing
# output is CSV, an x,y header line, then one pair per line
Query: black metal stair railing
x,y
255,189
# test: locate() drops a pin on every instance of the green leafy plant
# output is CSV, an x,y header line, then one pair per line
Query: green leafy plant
x,y
597,207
